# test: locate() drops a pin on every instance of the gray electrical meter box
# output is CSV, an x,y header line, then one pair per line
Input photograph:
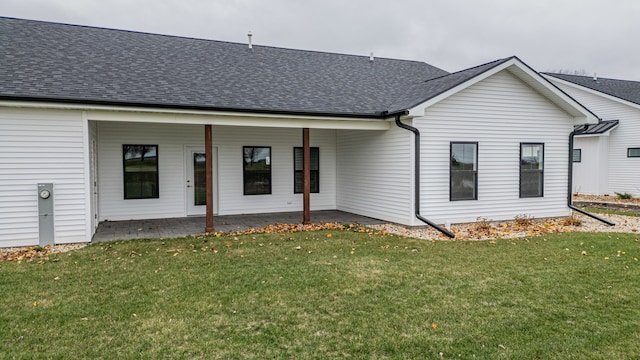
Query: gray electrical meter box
x,y
45,213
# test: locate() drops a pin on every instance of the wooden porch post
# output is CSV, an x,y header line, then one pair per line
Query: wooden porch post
x,y
208,145
306,177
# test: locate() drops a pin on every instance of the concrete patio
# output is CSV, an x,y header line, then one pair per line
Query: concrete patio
x,y
179,227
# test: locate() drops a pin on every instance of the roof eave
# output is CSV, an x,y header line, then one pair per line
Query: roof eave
x,y
374,115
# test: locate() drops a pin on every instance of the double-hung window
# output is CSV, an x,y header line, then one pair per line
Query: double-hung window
x,y
531,170
140,163
463,179
314,170
256,170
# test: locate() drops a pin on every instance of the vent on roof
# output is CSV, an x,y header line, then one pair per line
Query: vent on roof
x,y
249,35
371,56
595,76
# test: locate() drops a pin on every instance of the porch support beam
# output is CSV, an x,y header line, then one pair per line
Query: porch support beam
x,y
306,177
208,145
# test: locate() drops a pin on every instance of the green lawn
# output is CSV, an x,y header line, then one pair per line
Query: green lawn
x,y
307,295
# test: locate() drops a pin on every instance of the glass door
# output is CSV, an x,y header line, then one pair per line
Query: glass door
x,y
196,181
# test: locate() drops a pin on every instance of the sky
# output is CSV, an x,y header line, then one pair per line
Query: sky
x,y
570,36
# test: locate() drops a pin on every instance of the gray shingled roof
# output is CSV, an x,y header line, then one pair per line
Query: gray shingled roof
x,y
431,88
69,63
623,89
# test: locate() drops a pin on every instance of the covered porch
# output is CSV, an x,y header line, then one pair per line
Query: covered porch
x,y
195,225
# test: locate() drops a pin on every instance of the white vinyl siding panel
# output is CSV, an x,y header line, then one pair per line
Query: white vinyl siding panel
x,y
172,139
623,172
230,141
93,178
39,146
375,174
590,176
499,113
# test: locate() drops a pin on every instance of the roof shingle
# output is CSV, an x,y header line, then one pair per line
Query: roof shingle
x,y
59,62
622,89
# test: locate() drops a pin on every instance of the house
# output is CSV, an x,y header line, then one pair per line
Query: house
x,y
606,155
100,124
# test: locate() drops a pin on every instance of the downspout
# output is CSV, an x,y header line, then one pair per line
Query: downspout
x,y
570,184
416,133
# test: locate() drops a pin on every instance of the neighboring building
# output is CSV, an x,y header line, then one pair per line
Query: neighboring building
x,y
608,154
116,121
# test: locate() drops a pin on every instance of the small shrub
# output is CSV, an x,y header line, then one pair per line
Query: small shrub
x,y
482,227
523,220
571,221
624,195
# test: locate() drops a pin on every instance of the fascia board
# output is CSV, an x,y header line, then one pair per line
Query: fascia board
x,y
150,115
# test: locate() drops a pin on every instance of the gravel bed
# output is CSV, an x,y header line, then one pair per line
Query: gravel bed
x,y
486,229
29,253
606,199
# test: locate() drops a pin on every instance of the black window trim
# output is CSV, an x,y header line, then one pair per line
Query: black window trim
x,y
124,173
573,156
629,152
244,173
541,171
475,195
295,171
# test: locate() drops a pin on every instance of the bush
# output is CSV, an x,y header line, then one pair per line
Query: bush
x,y
624,195
524,220
482,227
571,221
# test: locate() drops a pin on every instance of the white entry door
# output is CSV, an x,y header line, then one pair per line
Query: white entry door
x,y
195,183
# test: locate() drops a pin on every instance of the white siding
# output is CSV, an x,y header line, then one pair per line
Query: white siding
x,y
172,139
623,172
590,176
499,113
375,174
230,141
41,146
93,173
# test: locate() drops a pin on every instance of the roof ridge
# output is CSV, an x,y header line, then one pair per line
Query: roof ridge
x,y
209,40
498,61
590,77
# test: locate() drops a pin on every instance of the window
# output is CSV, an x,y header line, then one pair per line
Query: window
x,y
314,170
463,180
633,152
140,171
531,170
256,170
577,155
199,179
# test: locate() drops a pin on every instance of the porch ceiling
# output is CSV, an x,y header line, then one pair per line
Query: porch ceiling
x,y
232,119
